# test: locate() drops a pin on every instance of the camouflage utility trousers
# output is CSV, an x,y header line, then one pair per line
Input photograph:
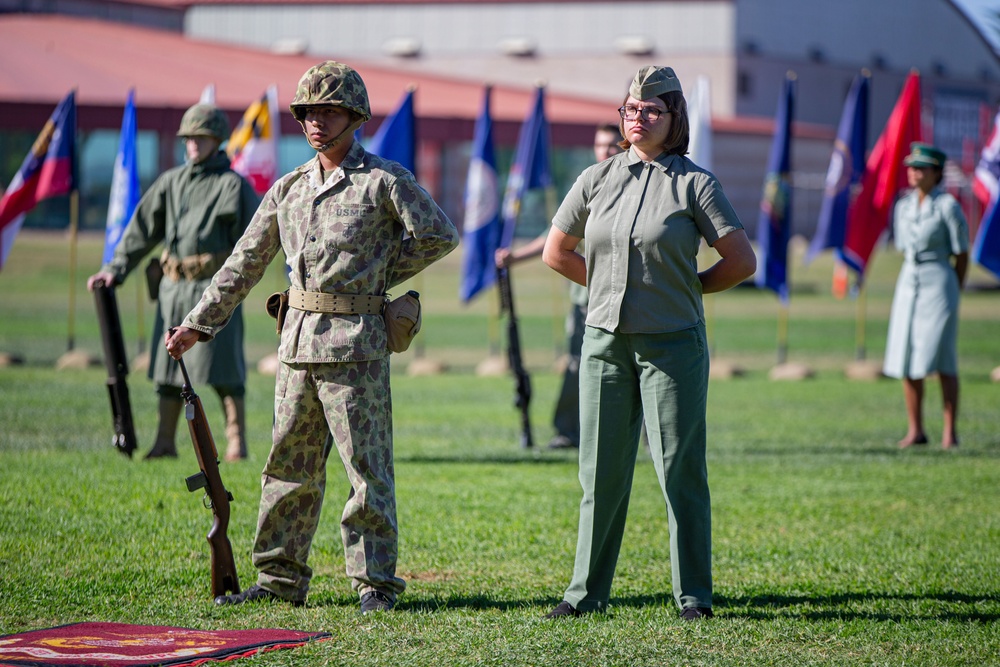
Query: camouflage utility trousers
x,y
353,402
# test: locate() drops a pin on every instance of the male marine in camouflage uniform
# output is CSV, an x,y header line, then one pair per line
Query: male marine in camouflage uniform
x,y
352,226
198,211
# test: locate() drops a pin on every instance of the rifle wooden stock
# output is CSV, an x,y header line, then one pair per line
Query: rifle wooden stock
x,y
117,364
224,578
522,398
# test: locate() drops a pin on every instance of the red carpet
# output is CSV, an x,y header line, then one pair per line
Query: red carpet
x,y
122,645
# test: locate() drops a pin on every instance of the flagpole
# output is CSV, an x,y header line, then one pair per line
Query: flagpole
x,y
708,303
418,350
493,325
558,328
140,298
782,334
74,212
859,324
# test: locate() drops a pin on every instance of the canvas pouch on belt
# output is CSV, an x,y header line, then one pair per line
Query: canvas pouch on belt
x,y
402,321
154,276
276,306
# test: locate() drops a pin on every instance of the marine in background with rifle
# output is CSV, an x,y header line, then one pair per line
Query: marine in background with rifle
x,y
566,416
197,211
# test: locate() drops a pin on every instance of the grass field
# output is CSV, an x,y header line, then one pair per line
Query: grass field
x,y
831,546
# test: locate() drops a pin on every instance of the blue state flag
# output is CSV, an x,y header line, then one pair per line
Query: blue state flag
x,y
774,225
481,228
396,137
986,249
125,190
530,168
847,166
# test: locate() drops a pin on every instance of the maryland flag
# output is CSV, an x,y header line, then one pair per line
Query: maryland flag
x,y
253,145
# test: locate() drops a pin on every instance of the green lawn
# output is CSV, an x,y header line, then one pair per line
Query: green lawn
x,y
832,547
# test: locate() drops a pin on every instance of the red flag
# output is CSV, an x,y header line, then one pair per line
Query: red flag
x,y
253,145
49,170
884,177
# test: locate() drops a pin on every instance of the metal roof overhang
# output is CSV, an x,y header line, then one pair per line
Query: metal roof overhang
x,y
45,56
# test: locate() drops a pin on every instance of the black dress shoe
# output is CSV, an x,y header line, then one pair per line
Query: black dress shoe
x,y
563,610
696,613
375,600
253,594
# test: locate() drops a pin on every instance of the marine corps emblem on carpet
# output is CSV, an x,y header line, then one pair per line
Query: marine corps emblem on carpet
x,y
123,645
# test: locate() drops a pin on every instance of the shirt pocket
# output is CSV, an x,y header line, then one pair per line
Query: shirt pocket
x,y
350,228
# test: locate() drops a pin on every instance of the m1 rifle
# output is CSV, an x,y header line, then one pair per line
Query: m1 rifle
x,y
523,397
114,359
217,497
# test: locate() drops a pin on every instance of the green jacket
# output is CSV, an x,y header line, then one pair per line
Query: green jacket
x,y
192,210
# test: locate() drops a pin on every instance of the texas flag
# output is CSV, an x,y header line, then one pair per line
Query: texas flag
x,y
49,170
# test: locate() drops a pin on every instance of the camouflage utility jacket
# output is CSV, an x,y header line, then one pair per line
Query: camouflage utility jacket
x,y
366,229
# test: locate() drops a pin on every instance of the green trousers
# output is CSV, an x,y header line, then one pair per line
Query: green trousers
x,y
623,379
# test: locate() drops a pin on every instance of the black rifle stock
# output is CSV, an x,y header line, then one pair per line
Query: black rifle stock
x,y
117,365
523,398
224,578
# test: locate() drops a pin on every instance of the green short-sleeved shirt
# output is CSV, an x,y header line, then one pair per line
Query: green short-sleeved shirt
x,y
643,224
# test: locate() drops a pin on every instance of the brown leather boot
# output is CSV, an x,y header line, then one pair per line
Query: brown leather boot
x,y
235,409
166,431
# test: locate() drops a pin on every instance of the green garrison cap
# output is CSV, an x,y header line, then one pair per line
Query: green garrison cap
x,y
652,81
925,155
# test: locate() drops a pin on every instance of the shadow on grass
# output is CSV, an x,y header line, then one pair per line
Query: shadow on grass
x,y
837,606
486,458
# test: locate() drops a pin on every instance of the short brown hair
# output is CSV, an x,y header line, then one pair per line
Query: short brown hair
x,y
680,129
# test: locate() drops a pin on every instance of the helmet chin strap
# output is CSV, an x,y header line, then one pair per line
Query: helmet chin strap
x,y
351,129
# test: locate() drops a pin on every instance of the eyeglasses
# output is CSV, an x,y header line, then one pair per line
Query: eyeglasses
x,y
651,114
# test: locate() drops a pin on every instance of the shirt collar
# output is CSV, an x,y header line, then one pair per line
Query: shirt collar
x,y
663,162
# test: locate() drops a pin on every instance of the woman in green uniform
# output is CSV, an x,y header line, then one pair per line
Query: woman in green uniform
x,y
930,230
643,214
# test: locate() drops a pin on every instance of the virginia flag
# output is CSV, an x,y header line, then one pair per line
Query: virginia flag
x,y
774,227
125,190
253,145
396,137
481,228
884,176
49,170
847,165
530,168
700,114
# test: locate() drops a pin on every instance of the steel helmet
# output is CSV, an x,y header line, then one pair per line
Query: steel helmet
x,y
204,120
331,84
